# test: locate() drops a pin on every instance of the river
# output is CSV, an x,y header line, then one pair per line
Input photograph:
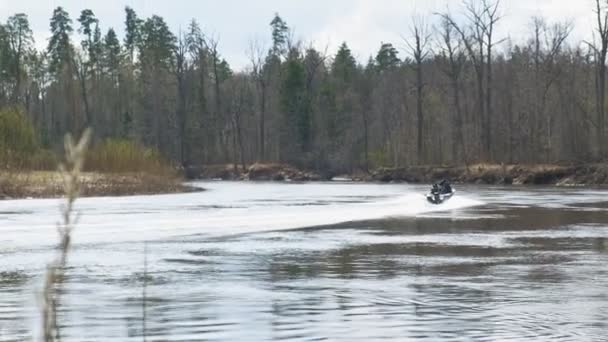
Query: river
x,y
317,261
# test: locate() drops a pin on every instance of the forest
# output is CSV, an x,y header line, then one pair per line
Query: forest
x,y
450,93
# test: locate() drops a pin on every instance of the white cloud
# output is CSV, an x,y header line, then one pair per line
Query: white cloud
x,y
363,24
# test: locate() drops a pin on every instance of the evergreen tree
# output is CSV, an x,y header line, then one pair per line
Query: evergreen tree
x,y
20,41
132,27
92,44
111,49
387,57
156,45
280,35
295,106
344,65
156,42
60,47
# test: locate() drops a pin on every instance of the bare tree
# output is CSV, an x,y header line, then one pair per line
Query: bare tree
x,y
240,93
419,49
212,44
261,74
547,44
473,42
199,54
478,37
454,51
181,65
81,72
601,50
490,16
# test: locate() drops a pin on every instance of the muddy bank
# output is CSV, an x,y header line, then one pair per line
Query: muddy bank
x,y
50,184
255,172
561,175
540,174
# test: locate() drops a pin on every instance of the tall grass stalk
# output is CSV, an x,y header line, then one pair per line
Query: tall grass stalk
x,y
53,282
144,294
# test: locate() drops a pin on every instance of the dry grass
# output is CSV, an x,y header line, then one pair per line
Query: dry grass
x,y
53,283
125,156
49,184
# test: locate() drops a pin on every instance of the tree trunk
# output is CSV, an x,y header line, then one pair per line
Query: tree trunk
x,y
601,103
366,140
419,113
262,121
488,111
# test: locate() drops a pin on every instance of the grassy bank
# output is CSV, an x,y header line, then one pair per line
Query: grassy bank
x,y
113,166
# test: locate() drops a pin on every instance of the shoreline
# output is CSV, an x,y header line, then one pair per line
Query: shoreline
x,y
591,174
49,184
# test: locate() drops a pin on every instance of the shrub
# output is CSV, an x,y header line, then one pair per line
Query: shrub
x,y
18,140
120,155
42,160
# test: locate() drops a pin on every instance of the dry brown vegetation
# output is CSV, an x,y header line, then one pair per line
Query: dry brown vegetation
x,y
484,173
53,280
126,156
257,172
113,166
479,173
47,184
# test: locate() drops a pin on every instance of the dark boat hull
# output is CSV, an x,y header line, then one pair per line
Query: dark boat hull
x,y
434,199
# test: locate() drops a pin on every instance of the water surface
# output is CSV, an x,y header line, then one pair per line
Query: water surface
x,y
311,262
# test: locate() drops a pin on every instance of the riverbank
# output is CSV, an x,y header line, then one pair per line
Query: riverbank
x,y
518,174
48,184
494,174
45,184
255,172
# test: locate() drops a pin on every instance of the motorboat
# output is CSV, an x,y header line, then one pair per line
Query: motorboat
x,y
440,193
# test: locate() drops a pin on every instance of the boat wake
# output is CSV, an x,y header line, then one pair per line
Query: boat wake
x,y
293,217
226,209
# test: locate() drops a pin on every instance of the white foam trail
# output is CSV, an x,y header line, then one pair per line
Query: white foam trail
x,y
226,209
276,218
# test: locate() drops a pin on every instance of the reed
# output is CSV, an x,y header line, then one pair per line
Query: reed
x,y
54,278
126,156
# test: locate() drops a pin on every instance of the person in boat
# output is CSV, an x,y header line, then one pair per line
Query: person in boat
x,y
440,192
445,187
435,192
435,189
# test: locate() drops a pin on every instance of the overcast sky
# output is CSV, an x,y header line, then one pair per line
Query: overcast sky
x,y
363,24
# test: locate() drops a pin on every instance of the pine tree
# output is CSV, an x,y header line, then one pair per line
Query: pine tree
x,y
60,47
387,57
132,27
111,52
280,35
20,41
344,65
295,106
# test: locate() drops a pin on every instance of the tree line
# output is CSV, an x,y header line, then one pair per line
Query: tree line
x,y
455,93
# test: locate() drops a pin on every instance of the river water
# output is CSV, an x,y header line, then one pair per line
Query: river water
x,y
318,261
